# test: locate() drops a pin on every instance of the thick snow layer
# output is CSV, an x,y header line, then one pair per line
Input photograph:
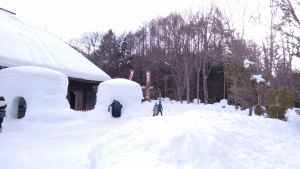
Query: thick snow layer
x,y
296,64
22,45
44,91
248,63
258,78
188,136
127,92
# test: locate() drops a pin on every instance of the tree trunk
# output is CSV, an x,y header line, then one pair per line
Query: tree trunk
x,y
204,67
198,85
165,86
179,94
187,83
205,89
250,111
204,82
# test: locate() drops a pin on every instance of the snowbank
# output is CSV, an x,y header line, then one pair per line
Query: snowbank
x,y
127,92
258,78
188,136
248,63
23,45
44,91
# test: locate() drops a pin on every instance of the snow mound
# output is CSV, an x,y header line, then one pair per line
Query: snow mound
x,y
127,92
188,136
248,63
223,103
199,139
23,45
258,78
44,91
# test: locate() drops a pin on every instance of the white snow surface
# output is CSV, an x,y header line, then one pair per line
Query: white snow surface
x,y
44,91
127,92
23,45
248,63
258,78
188,136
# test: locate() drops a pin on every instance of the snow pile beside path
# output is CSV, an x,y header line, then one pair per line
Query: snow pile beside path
x,y
44,91
188,136
199,139
127,92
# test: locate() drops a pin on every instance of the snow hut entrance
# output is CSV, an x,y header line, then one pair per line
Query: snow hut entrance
x,y
21,107
82,94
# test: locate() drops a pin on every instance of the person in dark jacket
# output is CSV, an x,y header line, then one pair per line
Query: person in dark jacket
x,y
159,108
2,111
115,108
155,109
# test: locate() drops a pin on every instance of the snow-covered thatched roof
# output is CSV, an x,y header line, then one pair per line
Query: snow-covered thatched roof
x,y
23,45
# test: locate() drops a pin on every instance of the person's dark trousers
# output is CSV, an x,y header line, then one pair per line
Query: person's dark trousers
x,y
159,112
1,120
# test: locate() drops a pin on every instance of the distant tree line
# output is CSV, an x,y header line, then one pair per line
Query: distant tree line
x,y
201,57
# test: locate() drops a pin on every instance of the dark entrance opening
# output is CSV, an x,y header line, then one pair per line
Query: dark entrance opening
x,y
71,99
82,94
22,107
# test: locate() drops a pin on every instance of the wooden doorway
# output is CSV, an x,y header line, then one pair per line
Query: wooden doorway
x,y
82,94
21,107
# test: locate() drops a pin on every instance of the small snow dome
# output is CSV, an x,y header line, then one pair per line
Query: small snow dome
x,y
127,92
34,92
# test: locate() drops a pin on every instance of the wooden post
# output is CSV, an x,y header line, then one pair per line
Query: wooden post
x,y
5,10
148,84
165,86
131,75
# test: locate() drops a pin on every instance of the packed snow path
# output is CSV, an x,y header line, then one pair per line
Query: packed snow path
x,y
188,137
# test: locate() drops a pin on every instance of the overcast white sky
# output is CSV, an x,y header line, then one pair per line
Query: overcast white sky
x,y
70,18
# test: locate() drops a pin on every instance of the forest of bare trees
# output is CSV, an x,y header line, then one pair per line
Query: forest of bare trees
x,y
201,57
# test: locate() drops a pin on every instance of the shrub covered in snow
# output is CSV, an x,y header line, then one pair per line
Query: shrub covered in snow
x,y
43,90
258,78
127,92
223,102
248,63
259,110
279,101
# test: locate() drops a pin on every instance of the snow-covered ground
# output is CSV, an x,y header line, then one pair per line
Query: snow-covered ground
x,y
188,136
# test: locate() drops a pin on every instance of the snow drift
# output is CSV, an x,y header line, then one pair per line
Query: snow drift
x,y
188,136
127,92
44,91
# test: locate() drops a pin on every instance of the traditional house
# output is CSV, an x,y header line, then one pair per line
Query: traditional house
x,y
23,45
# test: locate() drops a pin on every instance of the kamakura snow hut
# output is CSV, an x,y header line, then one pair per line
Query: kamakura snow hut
x,y
22,45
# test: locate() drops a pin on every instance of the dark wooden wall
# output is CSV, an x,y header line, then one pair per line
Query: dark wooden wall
x,y
82,94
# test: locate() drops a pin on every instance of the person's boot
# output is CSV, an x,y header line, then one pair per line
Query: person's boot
x,y
0,130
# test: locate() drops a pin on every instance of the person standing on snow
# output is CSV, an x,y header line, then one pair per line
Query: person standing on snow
x,y
2,111
155,109
159,108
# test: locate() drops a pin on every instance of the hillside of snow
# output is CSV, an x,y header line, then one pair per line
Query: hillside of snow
x,y
188,136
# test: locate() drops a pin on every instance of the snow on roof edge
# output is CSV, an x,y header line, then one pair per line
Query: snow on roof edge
x,y
43,49
79,75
